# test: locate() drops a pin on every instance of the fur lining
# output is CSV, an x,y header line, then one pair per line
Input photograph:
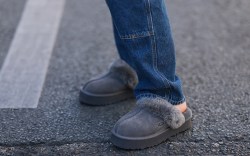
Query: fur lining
x,y
161,108
126,73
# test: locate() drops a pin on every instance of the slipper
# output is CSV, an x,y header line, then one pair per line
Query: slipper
x,y
152,121
114,86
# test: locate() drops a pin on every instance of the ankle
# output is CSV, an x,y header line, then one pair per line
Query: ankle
x,y
182,107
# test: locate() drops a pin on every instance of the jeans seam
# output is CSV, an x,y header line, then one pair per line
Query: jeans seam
x,y
134,35
148,13
117,29
154,52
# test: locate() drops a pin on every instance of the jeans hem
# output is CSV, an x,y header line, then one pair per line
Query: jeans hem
x,y
151,95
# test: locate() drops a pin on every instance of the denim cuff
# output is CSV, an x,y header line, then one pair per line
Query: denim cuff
x,y
151,95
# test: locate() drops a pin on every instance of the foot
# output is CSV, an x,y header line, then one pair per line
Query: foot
x,y
114,86
182,107
151,122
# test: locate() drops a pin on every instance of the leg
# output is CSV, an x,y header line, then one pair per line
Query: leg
x,y
143,38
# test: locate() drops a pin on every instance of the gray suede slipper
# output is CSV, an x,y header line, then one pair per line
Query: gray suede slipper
x,y
151,122
114,86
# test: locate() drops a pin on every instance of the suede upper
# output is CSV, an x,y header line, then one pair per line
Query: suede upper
x,y
105,85
150,116
120,77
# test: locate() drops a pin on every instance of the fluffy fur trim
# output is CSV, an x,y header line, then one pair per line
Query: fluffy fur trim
x,y
126,73
161,108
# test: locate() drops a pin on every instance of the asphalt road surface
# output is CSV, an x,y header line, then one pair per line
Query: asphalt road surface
x,y
212,41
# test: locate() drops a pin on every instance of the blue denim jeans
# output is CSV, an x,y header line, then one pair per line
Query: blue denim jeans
x,y
143,39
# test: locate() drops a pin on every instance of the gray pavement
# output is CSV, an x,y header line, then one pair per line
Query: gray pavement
x,y
212,41
10,13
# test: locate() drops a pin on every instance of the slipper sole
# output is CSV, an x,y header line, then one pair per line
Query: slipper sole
x,y
149,141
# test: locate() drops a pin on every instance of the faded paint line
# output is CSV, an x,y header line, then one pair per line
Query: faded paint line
x,y
24,70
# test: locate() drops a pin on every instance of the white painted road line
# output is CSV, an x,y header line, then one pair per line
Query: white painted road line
x,y
24,70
